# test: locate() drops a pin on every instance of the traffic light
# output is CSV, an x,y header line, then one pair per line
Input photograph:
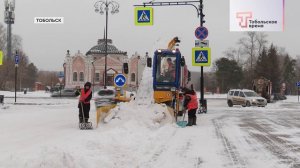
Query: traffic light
x,y
182,61
125,68
149,62
201,13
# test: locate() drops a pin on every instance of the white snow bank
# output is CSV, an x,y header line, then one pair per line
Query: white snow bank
x,y
29,94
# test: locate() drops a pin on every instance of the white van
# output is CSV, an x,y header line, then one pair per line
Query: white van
x,y
245,98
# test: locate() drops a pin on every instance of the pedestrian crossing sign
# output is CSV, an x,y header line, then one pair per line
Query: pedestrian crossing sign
x,y
201,56
143,16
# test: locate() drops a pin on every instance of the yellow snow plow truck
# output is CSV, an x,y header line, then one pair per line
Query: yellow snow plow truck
x,y
170,74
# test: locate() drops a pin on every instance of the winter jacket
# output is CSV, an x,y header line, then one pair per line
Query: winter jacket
x,y
192,101
85,96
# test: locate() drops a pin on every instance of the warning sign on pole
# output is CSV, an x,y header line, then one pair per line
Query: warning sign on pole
x,y
201,56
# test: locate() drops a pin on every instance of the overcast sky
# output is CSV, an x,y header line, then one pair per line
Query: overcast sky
x,y
46,45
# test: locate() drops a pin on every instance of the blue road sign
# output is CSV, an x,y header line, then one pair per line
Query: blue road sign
x,y
143,16
201,56
16,59
201,33
298,84
120,80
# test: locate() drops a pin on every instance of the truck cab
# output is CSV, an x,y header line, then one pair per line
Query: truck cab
x,y
166,70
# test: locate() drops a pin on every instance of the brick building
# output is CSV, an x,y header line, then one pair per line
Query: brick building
x,y
80,68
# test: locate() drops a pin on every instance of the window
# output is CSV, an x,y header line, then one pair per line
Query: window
x,y
106,92
132,77
74,76
236,93
251,94
166,68
81,77
97,77
242,94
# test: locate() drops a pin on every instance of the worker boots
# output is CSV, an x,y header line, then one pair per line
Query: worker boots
x,y
190,122
194,120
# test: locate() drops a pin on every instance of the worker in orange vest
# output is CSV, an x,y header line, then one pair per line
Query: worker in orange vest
x,y
191,104
84,102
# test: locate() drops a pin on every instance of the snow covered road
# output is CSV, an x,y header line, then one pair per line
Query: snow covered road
x,y
43,132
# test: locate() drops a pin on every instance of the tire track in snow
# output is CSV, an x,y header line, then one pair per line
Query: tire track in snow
x,y
179,150
229,147
158,151
279,147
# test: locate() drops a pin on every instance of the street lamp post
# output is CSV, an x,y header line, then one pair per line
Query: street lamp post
x,y
9,19
99,6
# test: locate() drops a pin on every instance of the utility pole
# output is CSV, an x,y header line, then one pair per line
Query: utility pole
x,y
16,73
9,19
202,101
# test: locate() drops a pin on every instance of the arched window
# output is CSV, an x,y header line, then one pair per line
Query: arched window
x,y
74,76
81,77
132,77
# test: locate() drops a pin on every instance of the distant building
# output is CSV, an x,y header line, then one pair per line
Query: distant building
x,y
39,86
80,68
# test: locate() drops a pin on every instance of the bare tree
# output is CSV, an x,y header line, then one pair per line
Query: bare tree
x,y
49,78
2,38
249,46
262,41
234,54
7,70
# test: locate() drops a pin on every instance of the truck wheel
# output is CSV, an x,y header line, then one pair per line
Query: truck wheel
x,y
229,102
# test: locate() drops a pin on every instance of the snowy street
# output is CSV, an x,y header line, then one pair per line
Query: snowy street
x,y
43,132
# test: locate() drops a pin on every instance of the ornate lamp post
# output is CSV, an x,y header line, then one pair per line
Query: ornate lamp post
x,y
100,6
9,19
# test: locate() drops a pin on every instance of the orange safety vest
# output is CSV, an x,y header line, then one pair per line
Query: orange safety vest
x,y
84,95
193,103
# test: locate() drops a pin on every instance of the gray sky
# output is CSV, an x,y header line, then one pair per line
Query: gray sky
x,y
46,44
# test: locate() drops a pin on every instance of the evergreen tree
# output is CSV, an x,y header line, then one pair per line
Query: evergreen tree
x,y
261,67
228,73
31,76
274,71
289,73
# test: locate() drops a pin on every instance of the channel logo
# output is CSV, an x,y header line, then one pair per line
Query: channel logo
x,y
49,20
243,18
257,15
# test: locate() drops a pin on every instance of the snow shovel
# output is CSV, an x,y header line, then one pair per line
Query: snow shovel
x,y
182,123
84,124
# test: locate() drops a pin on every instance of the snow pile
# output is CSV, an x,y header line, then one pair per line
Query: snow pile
x,y
150,116
28,94
145,91
146,111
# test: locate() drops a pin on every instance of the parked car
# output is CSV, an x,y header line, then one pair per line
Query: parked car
x,y
245,98
105,97
64,93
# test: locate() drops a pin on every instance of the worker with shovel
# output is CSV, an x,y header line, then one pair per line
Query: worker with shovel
x,y
191,104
